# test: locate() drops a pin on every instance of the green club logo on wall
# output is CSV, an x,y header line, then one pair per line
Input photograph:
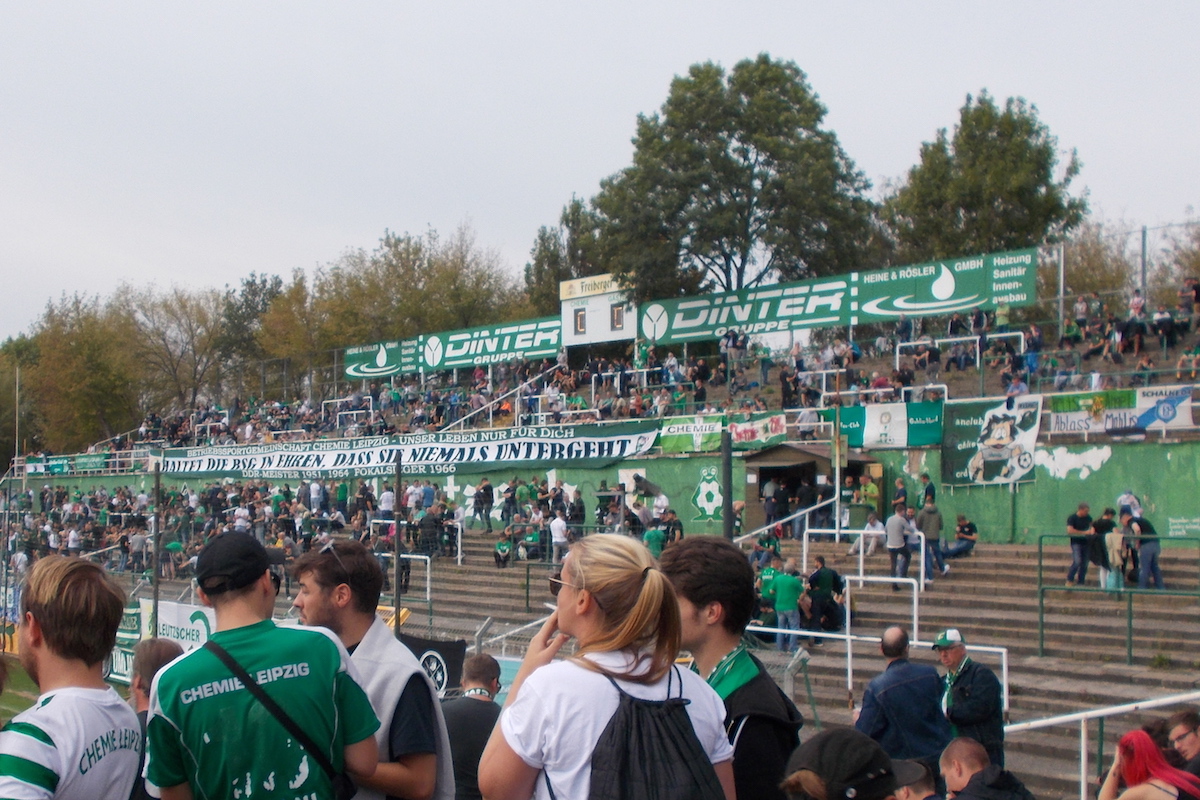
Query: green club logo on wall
x,y
707,498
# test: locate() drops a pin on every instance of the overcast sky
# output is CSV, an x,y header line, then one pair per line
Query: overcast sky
x,y
194,143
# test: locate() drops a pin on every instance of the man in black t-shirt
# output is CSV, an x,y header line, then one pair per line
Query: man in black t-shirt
x,y
470,718
1079,528
1098,546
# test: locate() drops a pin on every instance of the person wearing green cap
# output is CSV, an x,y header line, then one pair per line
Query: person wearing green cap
x,y
971,696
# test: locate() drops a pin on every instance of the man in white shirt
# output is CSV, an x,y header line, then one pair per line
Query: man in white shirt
x,y
558,536
80,739
387,503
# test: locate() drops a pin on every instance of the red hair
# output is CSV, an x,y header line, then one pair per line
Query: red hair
x,y
1141,760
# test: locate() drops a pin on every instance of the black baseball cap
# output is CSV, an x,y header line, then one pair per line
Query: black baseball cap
x,y
852,765
230,561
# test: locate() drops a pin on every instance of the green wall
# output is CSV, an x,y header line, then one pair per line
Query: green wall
x,y
1165,476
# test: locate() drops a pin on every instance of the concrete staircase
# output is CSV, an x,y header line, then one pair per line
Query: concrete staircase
x,y
991,596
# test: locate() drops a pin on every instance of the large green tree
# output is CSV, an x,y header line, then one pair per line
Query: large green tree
x,y
733,183
569,250
996,184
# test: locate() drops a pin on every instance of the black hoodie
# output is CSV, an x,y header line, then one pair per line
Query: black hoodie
x,y
764,728
993,783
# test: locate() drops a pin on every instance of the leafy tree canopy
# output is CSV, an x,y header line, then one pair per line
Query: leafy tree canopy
x,y
734,183
994,185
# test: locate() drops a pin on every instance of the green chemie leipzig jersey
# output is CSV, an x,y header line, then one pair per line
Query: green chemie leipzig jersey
x,y
207,730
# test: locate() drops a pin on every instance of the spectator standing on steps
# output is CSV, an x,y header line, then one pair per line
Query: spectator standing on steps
x,y
558,536
1139,530
901,706
485,496
896,532
929,522
1079,528
972,698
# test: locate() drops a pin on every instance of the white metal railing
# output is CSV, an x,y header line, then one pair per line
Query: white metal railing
x,y
1083,717
455,524
837,538
338,401
987,337
502,639
803,512
907,393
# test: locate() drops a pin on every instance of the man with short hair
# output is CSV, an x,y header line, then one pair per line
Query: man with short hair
x,y
1183,730
339,590
922,788
208,736
900,707
971,776
714,584
965,537
1141,534
470,718
1079,528
929,522
149,656
972,697
80,739
896,532
559,541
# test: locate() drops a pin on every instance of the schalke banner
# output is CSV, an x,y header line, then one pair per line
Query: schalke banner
x,y
986,442
586,446
939,287
382,359
879,426
700,434
1121,412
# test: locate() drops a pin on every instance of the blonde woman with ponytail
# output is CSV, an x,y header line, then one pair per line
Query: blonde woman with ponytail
x,y
622,613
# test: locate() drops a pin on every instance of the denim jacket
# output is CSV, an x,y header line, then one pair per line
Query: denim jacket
x,y
902,710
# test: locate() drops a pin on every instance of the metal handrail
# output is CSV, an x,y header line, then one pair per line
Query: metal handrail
x,y
794,515
494,403
983,339
1083,717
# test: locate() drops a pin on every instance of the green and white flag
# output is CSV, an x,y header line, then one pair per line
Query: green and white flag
x,y
699,434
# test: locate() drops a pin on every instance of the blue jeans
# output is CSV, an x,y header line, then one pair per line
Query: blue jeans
x,y
933,555
791,621
760,558
959,548
1148,568
1079,562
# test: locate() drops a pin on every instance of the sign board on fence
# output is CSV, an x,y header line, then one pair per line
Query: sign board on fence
x,y
382,359
918,290
529,447
491,344
880,426
1121,412
985,442
187,625
701,434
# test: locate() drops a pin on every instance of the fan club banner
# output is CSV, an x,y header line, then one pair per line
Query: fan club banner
x,y
880,426
985,442
1122,412
702,434
421,454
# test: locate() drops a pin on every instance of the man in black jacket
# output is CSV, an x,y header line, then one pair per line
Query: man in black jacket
x,y
715,587
970,776
972,697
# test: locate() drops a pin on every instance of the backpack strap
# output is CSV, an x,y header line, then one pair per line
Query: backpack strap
x,y
674,670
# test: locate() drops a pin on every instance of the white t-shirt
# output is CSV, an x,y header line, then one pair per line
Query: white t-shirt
x,y
87,740
562,708
387,501
558,530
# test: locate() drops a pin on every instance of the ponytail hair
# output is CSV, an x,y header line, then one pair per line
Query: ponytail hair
x,y
640,612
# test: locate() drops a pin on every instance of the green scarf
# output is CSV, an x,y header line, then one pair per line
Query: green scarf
x,y
947,686
732,672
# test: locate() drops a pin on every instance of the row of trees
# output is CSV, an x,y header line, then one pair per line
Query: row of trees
x,y
734,183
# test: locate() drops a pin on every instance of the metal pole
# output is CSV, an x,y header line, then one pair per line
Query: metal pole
x,y
157,544
1062,286
727,482
1083,760
1129,628
1143,261
396,543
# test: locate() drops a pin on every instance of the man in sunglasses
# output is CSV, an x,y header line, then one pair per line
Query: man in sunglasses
x,y
1183,728
209,736
339,590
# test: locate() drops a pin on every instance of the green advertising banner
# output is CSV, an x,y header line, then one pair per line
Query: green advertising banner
x,y
59,465
986,442
890,425
382,359
491,344
91,461
919,290
700,434
757,431
421,454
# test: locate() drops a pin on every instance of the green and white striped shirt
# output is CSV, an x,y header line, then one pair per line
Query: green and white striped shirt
x,y
74,743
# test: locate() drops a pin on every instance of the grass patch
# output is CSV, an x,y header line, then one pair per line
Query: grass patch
x,y
19,691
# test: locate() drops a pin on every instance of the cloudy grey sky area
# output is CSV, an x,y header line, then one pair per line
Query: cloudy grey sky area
x,y
193,143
